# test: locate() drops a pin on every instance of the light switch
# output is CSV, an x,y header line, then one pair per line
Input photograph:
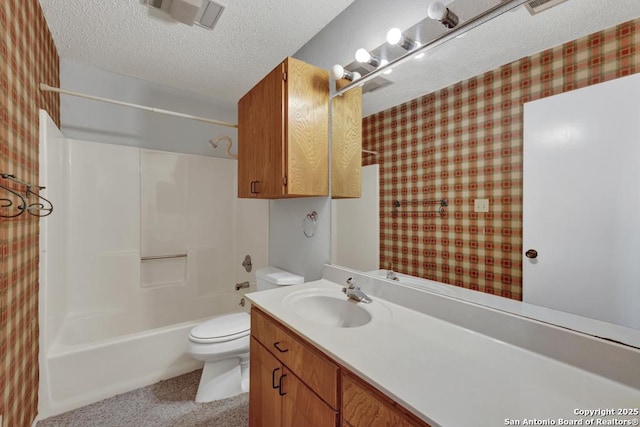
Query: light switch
x,y
481,205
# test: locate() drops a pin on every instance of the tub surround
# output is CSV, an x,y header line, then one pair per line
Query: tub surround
x,y
466,364
112,317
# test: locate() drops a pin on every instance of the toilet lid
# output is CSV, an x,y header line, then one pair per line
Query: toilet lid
x,y
222,328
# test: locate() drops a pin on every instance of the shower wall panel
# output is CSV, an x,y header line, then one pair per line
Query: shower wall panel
x,y
122,200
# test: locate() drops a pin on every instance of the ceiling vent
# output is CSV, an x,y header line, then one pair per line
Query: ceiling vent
x,y
537,6
204,13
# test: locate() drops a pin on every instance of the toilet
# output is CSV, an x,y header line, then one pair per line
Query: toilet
x,y
222,343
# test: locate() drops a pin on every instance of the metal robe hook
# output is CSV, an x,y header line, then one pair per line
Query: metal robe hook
x,y
7,203
36,209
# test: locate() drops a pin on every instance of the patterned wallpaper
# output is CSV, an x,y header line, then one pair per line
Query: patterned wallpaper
x,y
465,142
27,57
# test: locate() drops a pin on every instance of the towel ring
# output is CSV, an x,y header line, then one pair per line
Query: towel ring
x,y
310,224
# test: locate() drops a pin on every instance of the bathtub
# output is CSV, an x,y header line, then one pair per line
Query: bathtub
x,y
82,368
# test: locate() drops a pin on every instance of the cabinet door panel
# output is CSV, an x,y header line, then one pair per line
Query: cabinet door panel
x,y
265,403
307,93
301,407
261,159
312,367
346,143
362,407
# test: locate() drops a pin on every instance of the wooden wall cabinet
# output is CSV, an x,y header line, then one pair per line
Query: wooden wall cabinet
x,y
283,134
346,143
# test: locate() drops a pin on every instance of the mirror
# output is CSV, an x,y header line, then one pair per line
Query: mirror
x,y
450,127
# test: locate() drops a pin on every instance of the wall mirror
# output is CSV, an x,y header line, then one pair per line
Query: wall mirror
x,y
443,195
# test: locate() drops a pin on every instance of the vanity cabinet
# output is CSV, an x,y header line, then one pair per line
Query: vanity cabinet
x,y
346,143
363,406
294,384
291,384
283,134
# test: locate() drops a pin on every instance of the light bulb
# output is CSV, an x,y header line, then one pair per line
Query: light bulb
x,y
437,11
394,36
337,71
397,37
363,56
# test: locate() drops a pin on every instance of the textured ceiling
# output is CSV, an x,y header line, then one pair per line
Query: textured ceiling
x,y
127,37
252,36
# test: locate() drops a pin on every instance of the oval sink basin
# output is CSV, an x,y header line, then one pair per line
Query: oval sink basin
x,y
328,307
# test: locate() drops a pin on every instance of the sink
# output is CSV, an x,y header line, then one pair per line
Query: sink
x,y
328,307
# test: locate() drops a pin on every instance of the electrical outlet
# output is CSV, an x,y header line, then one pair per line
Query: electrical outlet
x,y
481,205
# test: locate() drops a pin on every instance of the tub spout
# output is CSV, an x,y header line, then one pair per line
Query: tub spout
x,y
242,285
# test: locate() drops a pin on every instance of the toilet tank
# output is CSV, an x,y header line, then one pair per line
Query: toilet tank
x,y
271,277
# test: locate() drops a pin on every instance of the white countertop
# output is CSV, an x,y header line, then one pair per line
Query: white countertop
x,y
451,376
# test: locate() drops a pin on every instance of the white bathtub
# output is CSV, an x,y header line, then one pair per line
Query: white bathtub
x,y
110,321
79,370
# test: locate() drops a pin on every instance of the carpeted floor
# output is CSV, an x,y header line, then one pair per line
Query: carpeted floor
x,y
168,403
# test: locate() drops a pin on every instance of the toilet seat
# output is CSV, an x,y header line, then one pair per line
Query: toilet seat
x,y
223,328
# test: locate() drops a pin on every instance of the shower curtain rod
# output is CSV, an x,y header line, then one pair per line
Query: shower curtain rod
x,y
48,88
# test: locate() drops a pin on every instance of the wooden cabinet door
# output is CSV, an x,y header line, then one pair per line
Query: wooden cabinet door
x,y
301,406
265,402
346,143
261,151
307,130
362,406
314,369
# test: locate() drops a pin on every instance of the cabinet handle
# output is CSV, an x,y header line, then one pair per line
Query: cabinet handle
x,y
273,378
280,385
275,344
254,187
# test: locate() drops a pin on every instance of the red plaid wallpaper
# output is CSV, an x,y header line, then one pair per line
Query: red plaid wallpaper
x,y
27,57
465,142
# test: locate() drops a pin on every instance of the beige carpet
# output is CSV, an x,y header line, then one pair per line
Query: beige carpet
x,y
165,404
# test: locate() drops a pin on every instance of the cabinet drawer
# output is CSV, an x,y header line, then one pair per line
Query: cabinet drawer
x,y
310,366
361,406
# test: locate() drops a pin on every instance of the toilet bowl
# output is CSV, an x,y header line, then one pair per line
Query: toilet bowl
x,y
222,343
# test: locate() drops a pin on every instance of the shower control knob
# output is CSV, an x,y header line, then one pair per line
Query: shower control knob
x,y
531,253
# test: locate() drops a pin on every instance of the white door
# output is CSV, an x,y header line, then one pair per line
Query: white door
x,y
582,201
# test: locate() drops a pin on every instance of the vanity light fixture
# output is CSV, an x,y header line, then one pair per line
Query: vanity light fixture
x,y
339,72
363,56
439,12
397,37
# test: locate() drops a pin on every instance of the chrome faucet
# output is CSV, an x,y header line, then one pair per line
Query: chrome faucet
x,y
354,293
391,275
